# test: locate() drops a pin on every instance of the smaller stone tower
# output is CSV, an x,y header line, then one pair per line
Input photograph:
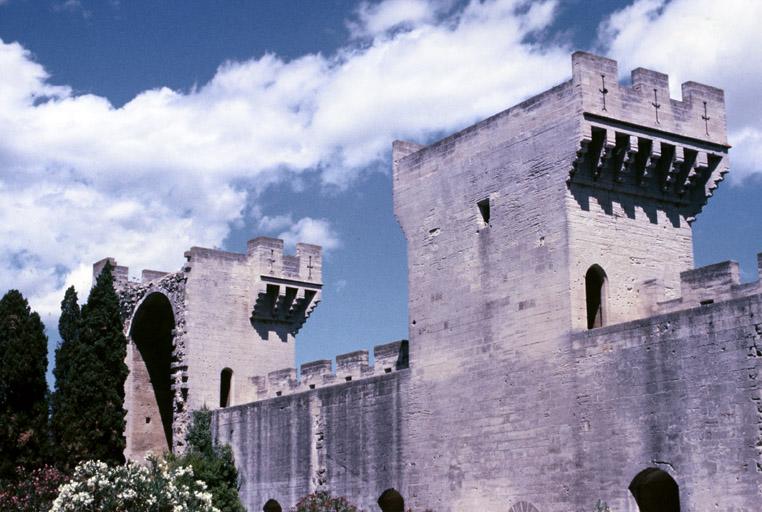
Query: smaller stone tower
x,y
197,337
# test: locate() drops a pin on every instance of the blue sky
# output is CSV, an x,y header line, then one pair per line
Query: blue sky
x,y
136,129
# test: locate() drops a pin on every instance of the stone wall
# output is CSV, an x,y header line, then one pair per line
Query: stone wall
x,y
328,431
223,317
509,402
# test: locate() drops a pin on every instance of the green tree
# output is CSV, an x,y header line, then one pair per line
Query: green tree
x,y
64,407
88,409
99,362
213,465
23,390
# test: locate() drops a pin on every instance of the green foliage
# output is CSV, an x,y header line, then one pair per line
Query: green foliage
x,y
88,416
153,488
23,390
321,501
64,409
214,466
34,491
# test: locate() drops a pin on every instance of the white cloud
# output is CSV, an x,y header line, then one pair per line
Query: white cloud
x,y
311,231
81,179
374,19
716,43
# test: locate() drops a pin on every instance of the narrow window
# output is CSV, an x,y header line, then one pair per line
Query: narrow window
x,y
595,295
391,501
655,491
484,211
226,381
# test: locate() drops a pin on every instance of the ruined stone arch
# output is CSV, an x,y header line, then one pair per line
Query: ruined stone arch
x,y
149,390
655,490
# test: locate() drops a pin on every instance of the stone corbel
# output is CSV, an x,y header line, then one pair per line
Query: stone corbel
x,y
652,162
584,147
630,157
676,167
607,152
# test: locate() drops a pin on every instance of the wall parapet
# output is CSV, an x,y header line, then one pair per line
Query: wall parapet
x,y
350,367
709,284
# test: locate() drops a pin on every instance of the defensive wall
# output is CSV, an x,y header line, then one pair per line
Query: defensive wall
x,y
562,347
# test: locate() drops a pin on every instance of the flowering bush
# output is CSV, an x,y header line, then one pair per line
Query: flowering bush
x,y
323,502
33,491
155,488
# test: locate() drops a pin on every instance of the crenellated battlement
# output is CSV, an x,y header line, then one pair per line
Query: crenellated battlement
x,y
638,141
646,102
306,265
350,367
710,284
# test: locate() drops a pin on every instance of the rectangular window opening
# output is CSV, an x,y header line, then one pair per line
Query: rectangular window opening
x,y
484,211
706,302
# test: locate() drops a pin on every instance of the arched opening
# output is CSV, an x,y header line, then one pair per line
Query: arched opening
x,y
595,297
391,501
272,506
151,393
655,491
226,382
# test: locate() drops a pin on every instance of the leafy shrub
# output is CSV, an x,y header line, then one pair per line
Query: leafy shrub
x,y
156,488
32,491
213,465
323,502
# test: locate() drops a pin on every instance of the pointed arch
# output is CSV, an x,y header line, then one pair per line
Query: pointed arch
x,y
595,296
150,379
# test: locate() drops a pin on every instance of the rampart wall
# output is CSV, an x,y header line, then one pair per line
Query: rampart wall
x,y
331,430
678,391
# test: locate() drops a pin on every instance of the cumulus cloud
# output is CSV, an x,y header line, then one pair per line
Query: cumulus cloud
x,y
701,40
311,231
81,179
374,19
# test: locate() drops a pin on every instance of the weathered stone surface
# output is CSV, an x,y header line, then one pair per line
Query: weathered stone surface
x,y
229,312
561,349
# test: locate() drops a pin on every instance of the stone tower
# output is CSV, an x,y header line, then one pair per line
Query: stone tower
x,y
562,348
198,337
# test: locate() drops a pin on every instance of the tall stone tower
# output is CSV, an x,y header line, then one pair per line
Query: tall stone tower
x,y
568,212
199,337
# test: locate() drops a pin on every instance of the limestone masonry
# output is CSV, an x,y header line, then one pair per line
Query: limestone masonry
x,y
562,347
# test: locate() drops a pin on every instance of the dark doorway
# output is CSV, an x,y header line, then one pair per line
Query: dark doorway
x,y
595,297
226,381
272,506
391,501
151,400
655,491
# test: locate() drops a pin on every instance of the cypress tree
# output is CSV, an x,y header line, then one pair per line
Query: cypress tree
x,y
65,411
88,417
23,389
99,362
